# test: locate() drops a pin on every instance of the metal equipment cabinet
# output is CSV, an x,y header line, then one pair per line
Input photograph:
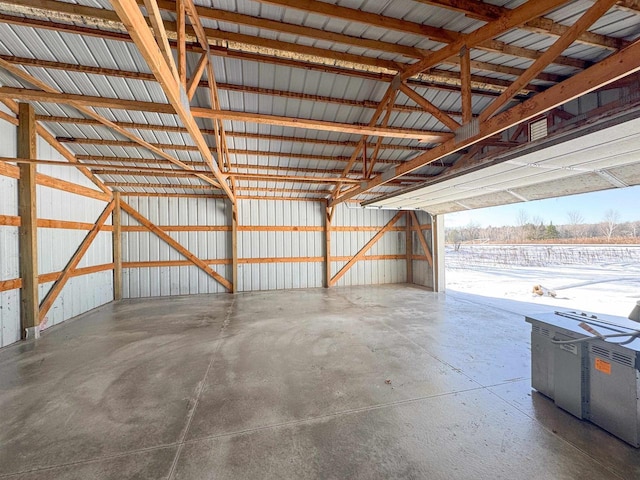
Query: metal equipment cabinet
x,y
596,380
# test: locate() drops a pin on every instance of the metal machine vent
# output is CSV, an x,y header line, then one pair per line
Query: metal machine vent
x,y
623,359
600,351
538,129
544,332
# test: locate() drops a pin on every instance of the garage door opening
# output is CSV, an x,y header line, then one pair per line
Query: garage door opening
x,y
579,252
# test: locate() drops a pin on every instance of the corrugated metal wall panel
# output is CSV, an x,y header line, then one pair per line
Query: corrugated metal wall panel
x,y
147,247
348,243
55,246
274,244
79,295
9,261
422,272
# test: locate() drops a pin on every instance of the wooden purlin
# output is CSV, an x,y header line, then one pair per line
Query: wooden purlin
x,y
82,101
119,73
348,14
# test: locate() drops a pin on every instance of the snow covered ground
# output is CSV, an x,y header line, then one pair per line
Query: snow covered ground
x,y
607,282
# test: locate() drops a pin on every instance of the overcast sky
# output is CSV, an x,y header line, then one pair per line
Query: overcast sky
x,y
592,206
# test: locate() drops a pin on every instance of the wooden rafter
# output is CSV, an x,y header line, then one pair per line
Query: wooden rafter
x,y
358,256
131,16
57,146
250,43
489,12
585,21
175,245
72,265
612,68
46,90
509,20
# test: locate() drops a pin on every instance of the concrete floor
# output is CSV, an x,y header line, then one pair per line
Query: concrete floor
x,y
364,382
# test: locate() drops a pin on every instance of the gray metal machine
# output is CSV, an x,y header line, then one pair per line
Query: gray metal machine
x,y
589,365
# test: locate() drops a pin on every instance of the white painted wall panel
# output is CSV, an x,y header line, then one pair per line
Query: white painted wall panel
x,y
145,246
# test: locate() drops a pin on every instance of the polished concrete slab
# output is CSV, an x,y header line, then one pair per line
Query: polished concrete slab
x,y
363,382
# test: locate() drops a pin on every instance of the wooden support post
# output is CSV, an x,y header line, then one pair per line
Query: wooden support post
x,y
117,247
28,223
409,247
234,248
327,245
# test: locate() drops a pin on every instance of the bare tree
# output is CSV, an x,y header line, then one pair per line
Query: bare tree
x,y
522,221
576,221
609,223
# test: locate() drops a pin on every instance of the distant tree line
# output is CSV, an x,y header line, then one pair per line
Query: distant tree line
x,y
536,230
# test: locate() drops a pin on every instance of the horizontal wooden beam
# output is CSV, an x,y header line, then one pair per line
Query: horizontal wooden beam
x,y
16,283
78,272
245,135
12,171
12,284
254,261
93,101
